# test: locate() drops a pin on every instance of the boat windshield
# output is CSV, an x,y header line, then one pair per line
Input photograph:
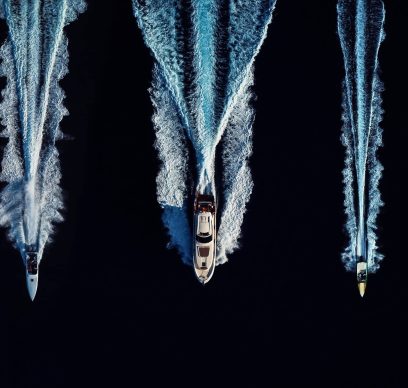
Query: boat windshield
x,y
361,276
32,265
203,239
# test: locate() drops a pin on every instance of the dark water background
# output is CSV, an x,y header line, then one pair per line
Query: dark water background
x,y
116,308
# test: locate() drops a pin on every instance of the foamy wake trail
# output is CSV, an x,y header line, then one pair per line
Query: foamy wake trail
x,y
201,94
172,177
34,59
360,27
237,179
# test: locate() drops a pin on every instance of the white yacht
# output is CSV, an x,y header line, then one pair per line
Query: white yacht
x,y
204,244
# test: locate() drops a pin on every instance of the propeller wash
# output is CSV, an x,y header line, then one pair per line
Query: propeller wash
x,y
360,27
34,59
204,52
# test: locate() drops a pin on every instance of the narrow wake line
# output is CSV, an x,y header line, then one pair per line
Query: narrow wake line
x,y
360,27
